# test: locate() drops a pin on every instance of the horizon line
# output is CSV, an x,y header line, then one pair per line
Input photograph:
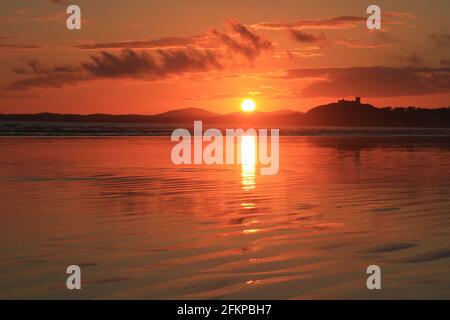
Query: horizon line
x,y
228,113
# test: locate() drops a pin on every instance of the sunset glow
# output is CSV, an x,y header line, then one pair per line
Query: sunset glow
x,y
292,55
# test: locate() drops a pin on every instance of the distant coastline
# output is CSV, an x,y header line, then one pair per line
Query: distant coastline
x,y
341,114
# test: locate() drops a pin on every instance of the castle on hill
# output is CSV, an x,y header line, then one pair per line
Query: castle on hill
x,y
356,101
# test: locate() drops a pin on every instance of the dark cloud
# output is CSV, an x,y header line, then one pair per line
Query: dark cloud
x,y
240,40
246,34
249,43
371,40
141,64
372,81
296,31
35,67
47,81
149,65
45,76
165,42
128,63
304,37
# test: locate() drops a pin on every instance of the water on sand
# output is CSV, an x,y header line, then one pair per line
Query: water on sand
x,y
140,227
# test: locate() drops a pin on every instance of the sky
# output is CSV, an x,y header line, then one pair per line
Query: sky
x,y
147,57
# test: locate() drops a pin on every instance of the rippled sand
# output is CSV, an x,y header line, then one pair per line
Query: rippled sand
x,y
140,227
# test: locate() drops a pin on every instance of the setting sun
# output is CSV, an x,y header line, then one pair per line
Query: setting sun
x,y
248,105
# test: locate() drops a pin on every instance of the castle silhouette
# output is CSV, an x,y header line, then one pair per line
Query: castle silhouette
x,y
357,100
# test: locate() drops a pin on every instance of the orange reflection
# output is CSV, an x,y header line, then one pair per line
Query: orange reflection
x,y
248,158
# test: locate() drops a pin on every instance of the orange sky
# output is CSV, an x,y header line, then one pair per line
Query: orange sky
x,y
147,57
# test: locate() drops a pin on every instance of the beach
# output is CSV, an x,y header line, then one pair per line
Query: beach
x,y
141,227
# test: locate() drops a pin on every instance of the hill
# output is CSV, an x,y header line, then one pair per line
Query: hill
x,y
341,113
355,114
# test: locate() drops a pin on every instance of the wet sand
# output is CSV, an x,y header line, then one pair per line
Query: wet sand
x,y
141,227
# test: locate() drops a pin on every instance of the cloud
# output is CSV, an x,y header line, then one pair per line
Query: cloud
x,y
170,56
342,22
48,81
399,15
140,64
239,40
161,43
46,77
16,46
35,67
296,29
371,40
126,64
294,54
303,37
372,81
249,44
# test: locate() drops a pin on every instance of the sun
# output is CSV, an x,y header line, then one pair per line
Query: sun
x,y
248,105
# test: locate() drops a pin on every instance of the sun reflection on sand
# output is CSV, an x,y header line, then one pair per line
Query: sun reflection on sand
x,y
248,167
